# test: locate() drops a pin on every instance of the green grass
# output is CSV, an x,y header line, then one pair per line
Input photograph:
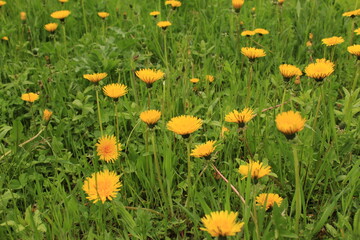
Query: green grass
x,y
41,180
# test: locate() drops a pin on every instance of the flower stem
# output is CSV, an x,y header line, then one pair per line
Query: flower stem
x,y
189,165
64,39
297,189
116,121
98,110
84,15
321,96
249,85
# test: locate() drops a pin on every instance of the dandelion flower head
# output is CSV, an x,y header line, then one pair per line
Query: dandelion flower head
x,y
174,4
253,53
149,76
332,41
103,15
163,24
95,77
108,149
51,27
248,33
319,70
115,90
289,123
255,169
354,50
221,223
150,117
352,13
240,117
47,114
203,150
210,78
2,3
154,13
61,15
194,80
288,71
268,200
261,31
237,4
184,125
30,97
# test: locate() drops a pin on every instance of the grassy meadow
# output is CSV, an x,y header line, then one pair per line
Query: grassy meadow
x,y
166,192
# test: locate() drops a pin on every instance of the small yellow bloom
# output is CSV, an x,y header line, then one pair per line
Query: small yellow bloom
x,y
47,115
102,185
23,16
224,130
115,90
155,14
2,3
210,78
149,76
288,71
332,41
308,43
268,200
184,125
95,77
253,53
63,1
352,14
61,15
163,24
203,150
174,4
357,31
248,33
240,117
237,4
150,117
103,15
194,80
280,2
51,27
354,50
289,123
256,170
221,223
5,38
319,70
30,97
261,31
311,36
108,149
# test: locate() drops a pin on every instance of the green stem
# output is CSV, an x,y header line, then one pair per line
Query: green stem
x,y
84,15
159,177
321,96
189,165
248,87
356,76
64,39
297,189
283,100
98,110
116,121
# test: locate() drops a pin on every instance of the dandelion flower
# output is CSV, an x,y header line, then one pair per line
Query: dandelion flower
x,y
281,2
61,15
237,4
2,3
253,53
5,38
352,14
240,117
95,77
115,90
63,1
357,31
149,76
332,41
224,130
30,97
255,169
221,223
194,80
248,33
102,185
108,149
155,14
289,123
261,31
308,43
103,15
288,71
23,16
268,200
163,24
203,150
47,115
184,125
354,50
319,70
51,27
210,78
174,4
150,117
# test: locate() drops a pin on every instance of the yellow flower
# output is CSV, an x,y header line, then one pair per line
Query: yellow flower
x,y
332,41
5,38
2,3
252,53
221,223
240,117
30,97
174,4
224,130
51,27
149,76
357,31
237,4
308,43
280,2
102,185
115,90
184,125
103,15
23,16
352,13
320,70
47,114
261,31
150,117
288,71
311,36
248,33
209,78
95,77
108,149
155,14
255,169
203,150
289,123
267,200
63,1
354,50
194,80
163,24
61,15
